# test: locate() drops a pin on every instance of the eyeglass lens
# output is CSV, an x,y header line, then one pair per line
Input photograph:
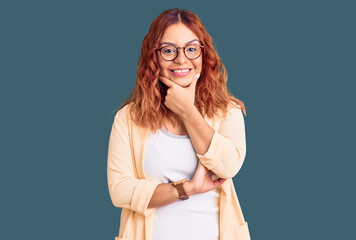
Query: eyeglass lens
x,y
192,51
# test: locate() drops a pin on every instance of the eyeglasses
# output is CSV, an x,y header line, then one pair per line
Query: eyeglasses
x,y
191,51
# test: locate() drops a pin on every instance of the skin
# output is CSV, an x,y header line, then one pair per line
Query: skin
x,y
180,100
180,35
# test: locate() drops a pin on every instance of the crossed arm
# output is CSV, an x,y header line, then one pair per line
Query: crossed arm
x,y
222,152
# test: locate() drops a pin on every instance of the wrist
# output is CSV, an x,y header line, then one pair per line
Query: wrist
x,y
188,112
189,188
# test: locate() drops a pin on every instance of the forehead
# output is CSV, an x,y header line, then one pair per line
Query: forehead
x,y
178,34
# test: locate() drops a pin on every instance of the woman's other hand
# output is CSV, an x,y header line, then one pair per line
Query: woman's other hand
x,y
202,181
179,99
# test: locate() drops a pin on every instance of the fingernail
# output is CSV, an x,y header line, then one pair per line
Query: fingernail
x,y
197,75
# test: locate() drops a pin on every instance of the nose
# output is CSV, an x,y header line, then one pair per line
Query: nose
x,y
181,58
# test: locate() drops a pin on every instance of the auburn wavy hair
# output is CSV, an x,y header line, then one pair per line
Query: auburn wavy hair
x,y
147,99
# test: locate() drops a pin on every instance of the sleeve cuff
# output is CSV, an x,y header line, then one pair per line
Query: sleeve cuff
x,y
142,196
207,158
221,157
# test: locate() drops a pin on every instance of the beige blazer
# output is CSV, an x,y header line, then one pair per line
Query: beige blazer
x,y
130,190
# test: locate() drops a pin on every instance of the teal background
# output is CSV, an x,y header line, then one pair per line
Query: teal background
x,y
66,65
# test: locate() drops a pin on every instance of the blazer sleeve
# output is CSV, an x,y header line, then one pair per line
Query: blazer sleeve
x,y
126,191
227,149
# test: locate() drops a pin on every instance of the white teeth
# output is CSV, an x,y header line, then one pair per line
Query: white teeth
x,y
180,71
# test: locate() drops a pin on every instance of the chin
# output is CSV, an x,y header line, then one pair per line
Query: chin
x,y
183,83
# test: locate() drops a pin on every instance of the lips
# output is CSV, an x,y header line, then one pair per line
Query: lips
x,y
180,70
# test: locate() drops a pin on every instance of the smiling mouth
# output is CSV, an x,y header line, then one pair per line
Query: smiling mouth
x,y
181,71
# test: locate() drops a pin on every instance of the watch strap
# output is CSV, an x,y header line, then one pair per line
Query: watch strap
x,y
180,189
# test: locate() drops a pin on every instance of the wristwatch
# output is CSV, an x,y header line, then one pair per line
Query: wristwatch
x,y
180,189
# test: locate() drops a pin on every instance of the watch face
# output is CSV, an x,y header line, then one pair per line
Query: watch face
x,y
183,197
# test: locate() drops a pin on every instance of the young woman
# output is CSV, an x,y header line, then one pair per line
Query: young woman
x,y
178,141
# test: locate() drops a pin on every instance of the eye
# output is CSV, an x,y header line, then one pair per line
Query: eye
x,y
168,50
191,48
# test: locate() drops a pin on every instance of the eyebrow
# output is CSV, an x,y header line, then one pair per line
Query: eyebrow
x,y
169,43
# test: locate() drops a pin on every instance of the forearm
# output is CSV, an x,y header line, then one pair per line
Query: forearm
x,y
166,193
199,131
227,149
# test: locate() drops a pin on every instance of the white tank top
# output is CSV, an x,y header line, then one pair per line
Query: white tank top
x,y
169,158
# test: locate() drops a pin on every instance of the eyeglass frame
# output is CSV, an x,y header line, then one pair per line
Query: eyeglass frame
x,y
201,46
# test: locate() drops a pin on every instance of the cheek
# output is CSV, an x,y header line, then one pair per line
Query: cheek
x,y
163,66
199,65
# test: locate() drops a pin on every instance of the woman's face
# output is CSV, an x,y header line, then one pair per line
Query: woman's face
x,y
179,35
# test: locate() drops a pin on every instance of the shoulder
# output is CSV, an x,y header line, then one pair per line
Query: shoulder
x,y
232,113
232,110
124,113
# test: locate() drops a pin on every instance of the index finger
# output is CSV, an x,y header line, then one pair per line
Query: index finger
x,y
166,81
